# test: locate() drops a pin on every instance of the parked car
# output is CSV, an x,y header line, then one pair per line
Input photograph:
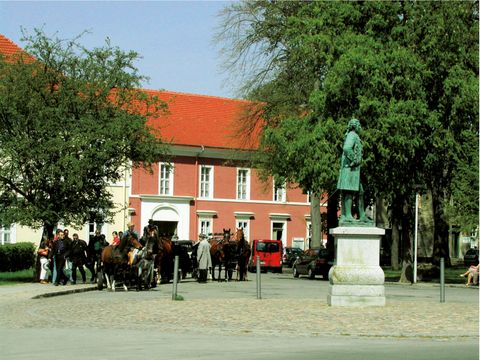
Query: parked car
x,y
313,262
290,255
270,254
471,257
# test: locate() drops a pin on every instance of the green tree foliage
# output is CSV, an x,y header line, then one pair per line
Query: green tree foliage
x,y
71,122
407,69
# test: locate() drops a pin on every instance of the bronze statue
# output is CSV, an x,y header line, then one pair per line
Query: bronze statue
x,y
349,179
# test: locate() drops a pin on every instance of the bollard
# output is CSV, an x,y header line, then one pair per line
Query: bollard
x,y
175,278
259,281
442,280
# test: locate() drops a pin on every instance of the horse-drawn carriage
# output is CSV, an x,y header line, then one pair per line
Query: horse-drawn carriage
x,y
134,264
130,263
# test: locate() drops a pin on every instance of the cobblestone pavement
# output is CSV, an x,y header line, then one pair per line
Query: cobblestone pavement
x,y
289,307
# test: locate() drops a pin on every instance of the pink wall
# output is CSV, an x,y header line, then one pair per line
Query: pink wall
x,y
143,182
186,175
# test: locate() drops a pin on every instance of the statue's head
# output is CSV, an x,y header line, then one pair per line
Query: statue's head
x,y
354,124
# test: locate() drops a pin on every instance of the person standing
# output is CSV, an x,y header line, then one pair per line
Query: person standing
x,y
59,250
204,259
68,260
78,258
43,252
95,248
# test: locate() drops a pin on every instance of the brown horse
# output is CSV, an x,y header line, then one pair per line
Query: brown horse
x,y
115,262
244,252
217,252
163,250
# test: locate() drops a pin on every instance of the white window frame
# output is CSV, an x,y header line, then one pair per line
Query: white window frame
x,y
279,193
6,236
205,225
163,179
245,224
284,230
203,185
243,189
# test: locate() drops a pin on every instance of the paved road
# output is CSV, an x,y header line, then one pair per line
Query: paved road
x,y
291,321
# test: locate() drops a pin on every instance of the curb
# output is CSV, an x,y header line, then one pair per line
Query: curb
x,y
64,292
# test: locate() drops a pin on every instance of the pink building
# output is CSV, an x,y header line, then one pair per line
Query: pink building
x,y
206,187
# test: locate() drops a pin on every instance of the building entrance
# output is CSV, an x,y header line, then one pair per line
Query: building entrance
x,y
167,228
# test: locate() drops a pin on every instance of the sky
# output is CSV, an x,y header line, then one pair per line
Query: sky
x,y
174,38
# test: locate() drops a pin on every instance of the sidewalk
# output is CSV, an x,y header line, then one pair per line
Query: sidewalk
x,y
291,321
289,307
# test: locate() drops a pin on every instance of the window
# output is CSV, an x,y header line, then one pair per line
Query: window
x,y
165,179
243,184
279,231
244,225
268,247
205,226
5,236
279,192
206,182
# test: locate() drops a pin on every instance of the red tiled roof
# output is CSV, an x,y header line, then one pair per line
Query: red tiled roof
x,y
210,121
8,47
192,120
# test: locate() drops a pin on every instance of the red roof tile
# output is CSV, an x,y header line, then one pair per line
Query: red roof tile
x,y
210,121
8,47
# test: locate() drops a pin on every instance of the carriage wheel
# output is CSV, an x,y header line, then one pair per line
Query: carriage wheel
x,y
100,280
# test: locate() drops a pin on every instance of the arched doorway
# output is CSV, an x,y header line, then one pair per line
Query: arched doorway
x,y
166,218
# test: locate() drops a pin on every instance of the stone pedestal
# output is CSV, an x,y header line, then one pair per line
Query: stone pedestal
x,y
356,279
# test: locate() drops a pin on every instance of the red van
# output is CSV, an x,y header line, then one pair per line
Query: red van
x,y
270,252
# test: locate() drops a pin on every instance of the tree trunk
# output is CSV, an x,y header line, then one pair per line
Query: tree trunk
x,y
397,215
332,220
440,229
407,273
316,241
395,242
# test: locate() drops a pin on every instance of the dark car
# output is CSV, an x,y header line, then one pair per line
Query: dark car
x,y
290,255
471,257
313,262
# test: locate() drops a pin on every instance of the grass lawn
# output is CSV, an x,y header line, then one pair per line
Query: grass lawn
x,y
16,277
26,276
452,275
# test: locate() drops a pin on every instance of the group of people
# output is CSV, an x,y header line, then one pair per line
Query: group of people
x,y
60,256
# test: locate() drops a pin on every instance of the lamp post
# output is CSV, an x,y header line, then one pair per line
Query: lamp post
x,y
415,241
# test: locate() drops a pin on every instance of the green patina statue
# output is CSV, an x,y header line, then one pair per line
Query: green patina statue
x,y
349,179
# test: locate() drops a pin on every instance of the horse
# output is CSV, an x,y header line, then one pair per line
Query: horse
x,y
244,252
115,260
217,252
163,250
93,262
144,263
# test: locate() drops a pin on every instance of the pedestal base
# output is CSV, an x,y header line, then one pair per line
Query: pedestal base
x,y
356,279
356,295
